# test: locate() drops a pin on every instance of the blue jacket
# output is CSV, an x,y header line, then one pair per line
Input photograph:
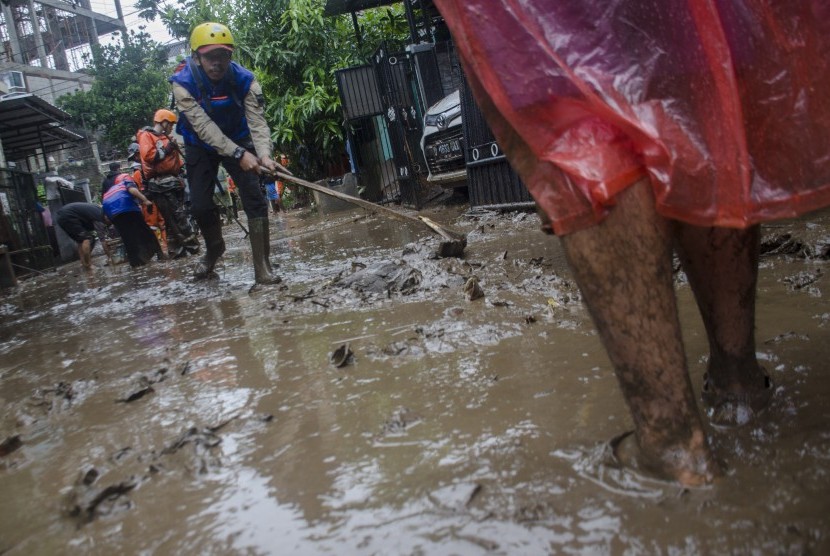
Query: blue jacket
x,y
224,102
118,199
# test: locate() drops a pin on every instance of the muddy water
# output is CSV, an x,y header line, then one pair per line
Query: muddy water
x,y
158,415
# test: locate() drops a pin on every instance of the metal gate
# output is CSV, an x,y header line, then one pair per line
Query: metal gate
x,y
382,108
21,225
404,120
491,181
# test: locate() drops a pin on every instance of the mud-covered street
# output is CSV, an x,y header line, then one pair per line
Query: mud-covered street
x,y
373,404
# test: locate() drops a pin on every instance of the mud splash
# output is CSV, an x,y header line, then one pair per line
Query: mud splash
x,y
143,412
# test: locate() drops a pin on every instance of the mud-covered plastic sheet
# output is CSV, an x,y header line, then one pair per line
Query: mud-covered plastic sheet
x,y
724,104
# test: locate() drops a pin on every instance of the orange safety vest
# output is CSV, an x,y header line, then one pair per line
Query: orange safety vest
x,y
148,143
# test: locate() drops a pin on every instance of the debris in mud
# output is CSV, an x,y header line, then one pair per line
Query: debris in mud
x,y
395,348
308,295
137,395
87,503
786,337
455,497
803,279
157,376
472,289
401,419
451,248
10,444
89,476
219,426
184,368
43,399
533,513
383,278
120,454
784,244
342,356
205,438
64,390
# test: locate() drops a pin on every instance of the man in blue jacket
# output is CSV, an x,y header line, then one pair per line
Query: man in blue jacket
x,y
222,120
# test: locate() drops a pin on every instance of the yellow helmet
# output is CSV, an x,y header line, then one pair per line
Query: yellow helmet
x,y
164,115
211,34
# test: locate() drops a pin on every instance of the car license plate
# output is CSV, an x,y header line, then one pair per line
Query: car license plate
x,y
451,147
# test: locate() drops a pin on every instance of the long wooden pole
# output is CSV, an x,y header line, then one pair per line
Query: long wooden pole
x,y
422,220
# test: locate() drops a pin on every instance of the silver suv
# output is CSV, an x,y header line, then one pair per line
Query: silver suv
x,y
443,142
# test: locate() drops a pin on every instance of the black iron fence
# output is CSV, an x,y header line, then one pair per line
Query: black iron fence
x,y
22,230
491,181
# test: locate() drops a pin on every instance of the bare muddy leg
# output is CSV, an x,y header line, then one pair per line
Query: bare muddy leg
x,y
623,268
85,254
722,267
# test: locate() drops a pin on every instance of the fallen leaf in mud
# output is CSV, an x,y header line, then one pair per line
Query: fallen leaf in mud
x,y
137,395
87,503
10,444
342,356
472,289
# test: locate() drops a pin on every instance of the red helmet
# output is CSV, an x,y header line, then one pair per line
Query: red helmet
x,y
164,116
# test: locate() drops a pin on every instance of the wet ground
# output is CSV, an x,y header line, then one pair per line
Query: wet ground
x,y
141,412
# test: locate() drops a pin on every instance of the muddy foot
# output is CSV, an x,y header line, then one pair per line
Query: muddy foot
x,y
689,467
737,405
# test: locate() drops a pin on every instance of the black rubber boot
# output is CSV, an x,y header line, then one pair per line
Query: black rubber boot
x,y
261,250
211,228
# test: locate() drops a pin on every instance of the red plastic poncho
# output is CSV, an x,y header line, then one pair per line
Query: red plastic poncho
x,y
724,104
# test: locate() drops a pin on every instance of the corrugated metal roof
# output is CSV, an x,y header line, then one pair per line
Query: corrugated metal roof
x,y
28,123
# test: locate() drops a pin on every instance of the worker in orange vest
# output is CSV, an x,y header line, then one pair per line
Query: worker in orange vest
x,y
161,164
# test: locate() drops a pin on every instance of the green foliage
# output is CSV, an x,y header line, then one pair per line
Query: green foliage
x,y
130,84
294,52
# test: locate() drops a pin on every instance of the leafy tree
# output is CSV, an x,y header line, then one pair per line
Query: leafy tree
x,y
130,84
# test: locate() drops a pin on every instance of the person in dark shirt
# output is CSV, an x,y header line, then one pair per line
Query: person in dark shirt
x,y
78,221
